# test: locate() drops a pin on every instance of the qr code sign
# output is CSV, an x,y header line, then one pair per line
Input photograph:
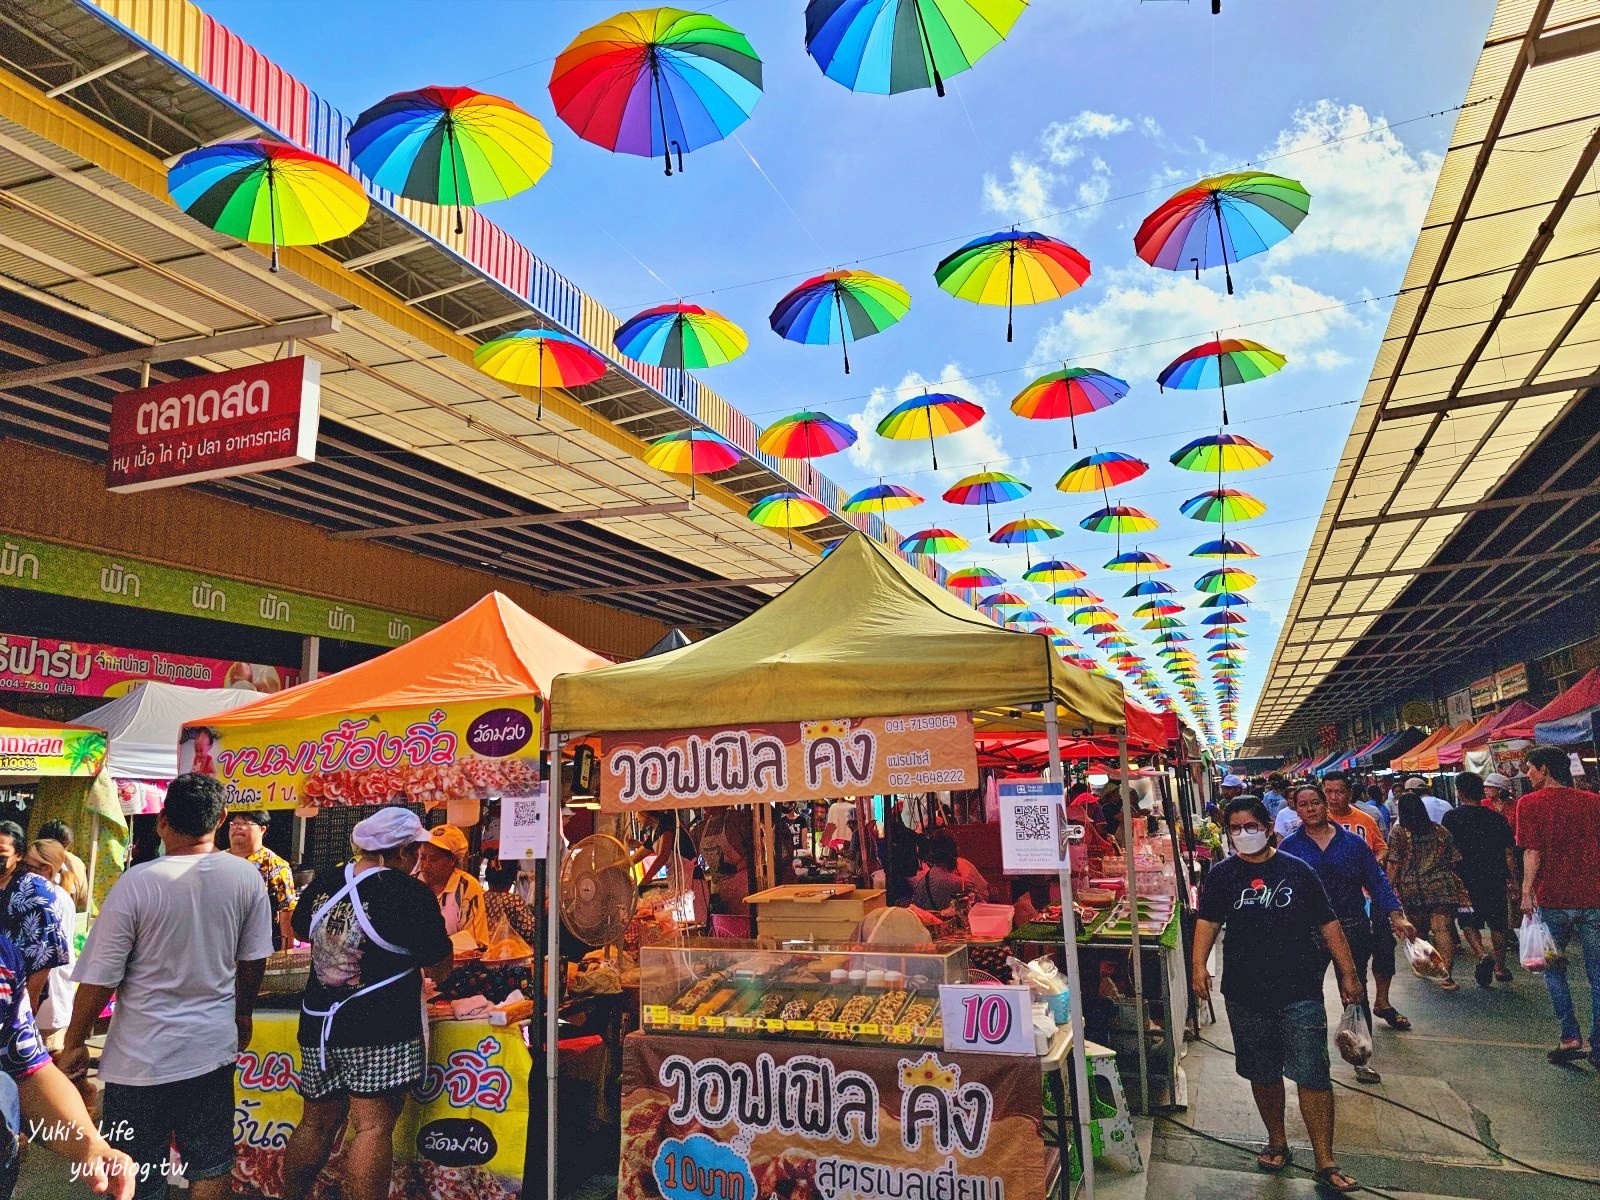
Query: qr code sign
x,y
1033,823
525,812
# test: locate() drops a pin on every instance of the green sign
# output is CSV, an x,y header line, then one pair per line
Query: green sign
x,y
37,566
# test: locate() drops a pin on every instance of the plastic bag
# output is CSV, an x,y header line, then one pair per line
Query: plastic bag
x,y
1426,962
1354,1039
506,945
1535,945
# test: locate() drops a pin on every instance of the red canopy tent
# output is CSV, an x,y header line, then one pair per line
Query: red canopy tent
x,y
1583,695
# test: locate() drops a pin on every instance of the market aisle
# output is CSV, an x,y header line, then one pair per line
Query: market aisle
x,y
1475,1060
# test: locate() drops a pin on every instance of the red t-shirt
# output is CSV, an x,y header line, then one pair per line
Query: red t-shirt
x,y
1563,825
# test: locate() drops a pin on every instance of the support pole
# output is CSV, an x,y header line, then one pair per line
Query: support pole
x,y
1079,1056
552,965
1125,785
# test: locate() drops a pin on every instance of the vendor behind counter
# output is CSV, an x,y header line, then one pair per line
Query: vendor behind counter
x,y
460,896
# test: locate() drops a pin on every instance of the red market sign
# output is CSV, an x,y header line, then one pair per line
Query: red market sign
x,y
256,418
47,666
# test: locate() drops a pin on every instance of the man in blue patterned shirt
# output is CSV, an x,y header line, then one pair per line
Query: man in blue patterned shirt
x,y
28,914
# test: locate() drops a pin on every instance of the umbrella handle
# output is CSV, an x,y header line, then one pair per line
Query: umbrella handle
x,y
844,340
455,178
661,111
272,215
1222,240
1011,284
933,67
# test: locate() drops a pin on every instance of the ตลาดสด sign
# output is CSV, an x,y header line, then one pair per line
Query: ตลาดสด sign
x,y
236,422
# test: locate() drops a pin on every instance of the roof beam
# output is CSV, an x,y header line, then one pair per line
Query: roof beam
x,y
690,586
1450,510
126,60
439,293
1569,42
1469,565
1450,403
384,254
551,518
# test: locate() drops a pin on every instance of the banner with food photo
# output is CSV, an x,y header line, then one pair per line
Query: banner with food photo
x,y
739,1121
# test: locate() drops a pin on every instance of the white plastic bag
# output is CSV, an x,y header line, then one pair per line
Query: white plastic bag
x,y
1354,1039
1535,945
1425,961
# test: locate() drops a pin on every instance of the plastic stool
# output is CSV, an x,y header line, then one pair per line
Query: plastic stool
x,y
1111,1123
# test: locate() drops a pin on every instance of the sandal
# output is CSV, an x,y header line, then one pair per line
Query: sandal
x,y
1274,1159
1335,1180
1394,1017
1502,975
1449,985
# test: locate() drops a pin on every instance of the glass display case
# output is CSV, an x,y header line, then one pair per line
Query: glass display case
x,y
805,992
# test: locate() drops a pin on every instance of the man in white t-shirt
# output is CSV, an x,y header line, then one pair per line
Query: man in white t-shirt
x,y
1435,806
183,941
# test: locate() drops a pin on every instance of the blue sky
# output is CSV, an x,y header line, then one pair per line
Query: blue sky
x,y
1085,119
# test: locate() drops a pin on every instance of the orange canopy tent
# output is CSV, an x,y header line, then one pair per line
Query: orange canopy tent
x,y
1411,760
453,715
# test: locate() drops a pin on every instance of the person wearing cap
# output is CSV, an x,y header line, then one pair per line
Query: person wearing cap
x,y
1500,795
460,896
375,931
1232,786
1435,806
245,833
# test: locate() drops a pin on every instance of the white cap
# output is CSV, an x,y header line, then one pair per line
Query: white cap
x,y
1416,784
1496,780
388,829
1232,781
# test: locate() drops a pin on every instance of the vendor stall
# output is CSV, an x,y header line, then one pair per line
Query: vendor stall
x,y
65,766
864,677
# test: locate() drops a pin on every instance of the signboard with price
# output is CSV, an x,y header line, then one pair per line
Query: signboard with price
x,y
987,1019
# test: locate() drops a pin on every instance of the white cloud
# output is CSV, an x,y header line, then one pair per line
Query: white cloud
x,y
959,453
1044,182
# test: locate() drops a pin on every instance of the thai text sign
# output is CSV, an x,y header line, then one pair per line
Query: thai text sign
x,y
463,1133
803,760
237,422
472,750
47,666
742,1120
1511,682
51,750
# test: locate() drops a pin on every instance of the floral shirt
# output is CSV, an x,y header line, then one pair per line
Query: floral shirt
x,y
275,873
509,907
30,919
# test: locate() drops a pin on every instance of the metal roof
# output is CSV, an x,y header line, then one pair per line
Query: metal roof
x,y
1493,341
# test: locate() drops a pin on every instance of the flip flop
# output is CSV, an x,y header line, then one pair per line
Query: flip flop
x,y
1394,1017
1274,1159
1326,1176
1449,985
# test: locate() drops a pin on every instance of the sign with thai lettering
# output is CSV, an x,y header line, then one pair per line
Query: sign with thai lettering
x,y
1511,682
1484,692
411,755
238,422
41,748
39,566
463,1133
1035,834
49,666
741,1120
802,760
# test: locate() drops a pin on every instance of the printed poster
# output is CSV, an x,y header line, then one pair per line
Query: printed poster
x,y
1035,836
525,825
27,749
52,667
803,760
739,1120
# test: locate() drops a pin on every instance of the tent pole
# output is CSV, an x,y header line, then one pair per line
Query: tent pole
x,y
1069,938
552,967
1126,787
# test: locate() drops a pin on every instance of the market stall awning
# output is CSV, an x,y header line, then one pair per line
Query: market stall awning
x,y
1402,742
862,635
143,725
1411,760
1565,720
1503,719
1450,753
32,746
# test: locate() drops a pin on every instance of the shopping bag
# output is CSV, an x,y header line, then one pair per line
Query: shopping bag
x,y
1354,1039
1535,946
1425,961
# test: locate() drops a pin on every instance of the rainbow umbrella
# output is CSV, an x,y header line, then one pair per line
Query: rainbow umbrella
x,y
930,415
883,497
1220,505
449,146
1227,631
970,579
986,488
1138,560
656,80
839,307
1027,616
1224,579
1226,599
1219,363
1101,628
1223,218
1069,392
536,357
1222,452
1157,608
933,541
1090,614
260,191
1162,623
1119,519
684,336
885,47
691,452
1054,571
1100,471
1002,600
1025,531
1115,640
1050,631
985,270
1150,587
1223,548
787,511
805,435
1226,617
1169,637
1070,595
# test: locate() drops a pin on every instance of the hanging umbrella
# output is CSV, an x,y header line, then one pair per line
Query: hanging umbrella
x,y
1171,636
1075,595
684,336
1226,617
1150,587
1223,504
1027,616
1054,571
1115,640
1119,519
1157,608
805,435
1069,392
656,80
1221,219
1221,452
1227,631
1050,631
1090,614
1224,579
885,47
986,488
1101,628
1223,548
1012,268
539,357
933,541
450,146
1100,471
1138,560
1025,531
970,579
839,307
787,511
260,191
1227,599
883,497
1002,600
691,452
1162,623
930,415
1219,363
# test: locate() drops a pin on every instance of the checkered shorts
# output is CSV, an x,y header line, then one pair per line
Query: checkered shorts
x,y
360,1070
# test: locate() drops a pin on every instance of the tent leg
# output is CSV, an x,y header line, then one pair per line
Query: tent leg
x,y
552,966
1082,1112
1125,785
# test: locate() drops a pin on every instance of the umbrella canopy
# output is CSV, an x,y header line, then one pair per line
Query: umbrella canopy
x,y
1075,595
1221,452
1025,530
885,47
1221,220
1227,599
970,579
1119,518
1090,614
933,541
1223,548
1138,560
449,146
885,497
1224,579
1221,505
539,357
691,452
986,488
1012,268
1027,616
656,80
839,307
1101,471
1150,587
1054,571
1002,600
1069,392
805,435
930,415
787,510
1157,608
684,336
260,191
1218,364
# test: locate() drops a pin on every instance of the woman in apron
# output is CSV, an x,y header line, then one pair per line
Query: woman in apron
x,y
374,932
